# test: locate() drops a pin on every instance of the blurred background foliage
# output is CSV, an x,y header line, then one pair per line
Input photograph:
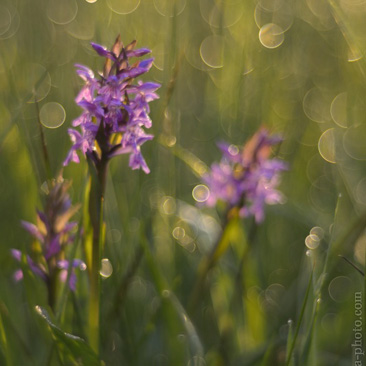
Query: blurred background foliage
x,y
226,67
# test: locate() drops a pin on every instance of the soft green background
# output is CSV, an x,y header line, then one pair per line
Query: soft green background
x,y
226,67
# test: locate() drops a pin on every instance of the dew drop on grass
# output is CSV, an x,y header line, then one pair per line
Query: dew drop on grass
x,y
106,268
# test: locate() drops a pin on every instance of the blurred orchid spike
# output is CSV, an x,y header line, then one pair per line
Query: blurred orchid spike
x,y
52,232
247,178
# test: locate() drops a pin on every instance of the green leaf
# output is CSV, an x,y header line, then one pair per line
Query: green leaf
x,y
77,346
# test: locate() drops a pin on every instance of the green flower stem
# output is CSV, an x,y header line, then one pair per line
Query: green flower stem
x,y
209,261
96,203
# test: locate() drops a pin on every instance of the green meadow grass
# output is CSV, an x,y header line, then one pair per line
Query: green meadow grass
x,y
226,67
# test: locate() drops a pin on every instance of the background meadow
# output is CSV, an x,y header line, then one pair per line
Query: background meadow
x,y
280,291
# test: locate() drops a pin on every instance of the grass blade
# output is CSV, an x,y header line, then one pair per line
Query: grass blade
x,y
293,343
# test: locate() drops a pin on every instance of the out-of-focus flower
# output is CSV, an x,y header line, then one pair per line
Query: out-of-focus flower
x,y
52,233
115,109
247,178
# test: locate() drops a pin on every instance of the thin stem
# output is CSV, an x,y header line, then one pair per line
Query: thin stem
x,y
209,261
96,203
289,355
126,280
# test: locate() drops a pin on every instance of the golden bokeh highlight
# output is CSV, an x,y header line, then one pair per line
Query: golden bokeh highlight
x,y
271,35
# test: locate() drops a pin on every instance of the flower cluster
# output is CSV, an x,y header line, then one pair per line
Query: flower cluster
x,y
115,109
247,178
53,233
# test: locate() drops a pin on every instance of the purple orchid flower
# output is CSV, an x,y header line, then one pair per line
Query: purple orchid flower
x,y
115,109
53,232
247,178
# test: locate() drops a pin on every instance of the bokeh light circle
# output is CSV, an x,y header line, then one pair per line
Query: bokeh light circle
x,y
52,115
82,28
271,35
5,19
123,7
360,191
338,110
359,250
354,142
178,233
62,12
312,241
170,8
316,107
219,16
37,81
283,17
201,193
8,27
318,231
340,288
327,146
211,51
271,5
